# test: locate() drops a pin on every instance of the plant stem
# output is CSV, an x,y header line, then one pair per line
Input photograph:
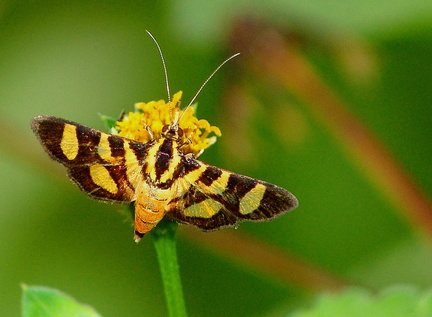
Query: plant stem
x,y
165,245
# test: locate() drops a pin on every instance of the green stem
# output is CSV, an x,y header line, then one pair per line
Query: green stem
x,y
165,245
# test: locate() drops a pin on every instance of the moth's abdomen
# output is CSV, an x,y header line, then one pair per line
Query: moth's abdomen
x,y
150,208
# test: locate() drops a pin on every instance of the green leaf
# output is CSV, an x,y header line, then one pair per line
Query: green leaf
x,y
396,301
43,301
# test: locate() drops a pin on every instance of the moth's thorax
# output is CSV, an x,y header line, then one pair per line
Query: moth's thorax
x,y
162,160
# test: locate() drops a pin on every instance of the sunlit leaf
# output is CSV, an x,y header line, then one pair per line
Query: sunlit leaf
x,y
41,301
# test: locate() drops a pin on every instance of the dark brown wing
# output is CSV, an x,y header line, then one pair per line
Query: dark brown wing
x,y
209,197
105,166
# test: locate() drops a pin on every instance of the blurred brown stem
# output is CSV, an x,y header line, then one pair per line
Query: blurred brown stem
x,y
264,257
272,55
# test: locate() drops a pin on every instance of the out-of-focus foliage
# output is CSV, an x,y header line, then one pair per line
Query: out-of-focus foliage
x,y
78,59
397,301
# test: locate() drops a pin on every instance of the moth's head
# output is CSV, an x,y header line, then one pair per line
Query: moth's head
x,y
172,132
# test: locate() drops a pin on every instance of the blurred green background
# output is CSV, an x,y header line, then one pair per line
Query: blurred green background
x,y
78,59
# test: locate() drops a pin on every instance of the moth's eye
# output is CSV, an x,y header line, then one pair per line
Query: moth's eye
x,y
165,128
180,132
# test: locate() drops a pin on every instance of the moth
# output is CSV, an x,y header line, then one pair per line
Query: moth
x,y
158,176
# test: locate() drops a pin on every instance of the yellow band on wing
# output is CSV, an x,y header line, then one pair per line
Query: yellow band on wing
x,y
252,200
69,142
102,178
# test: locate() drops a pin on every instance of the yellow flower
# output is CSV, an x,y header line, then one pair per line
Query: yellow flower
x,y
146,123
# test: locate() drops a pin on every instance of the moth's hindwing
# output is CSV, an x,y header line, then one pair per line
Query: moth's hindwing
x,y
105,166
210,197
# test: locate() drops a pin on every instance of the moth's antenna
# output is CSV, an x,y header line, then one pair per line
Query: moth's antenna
x,y
163,64
206,81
